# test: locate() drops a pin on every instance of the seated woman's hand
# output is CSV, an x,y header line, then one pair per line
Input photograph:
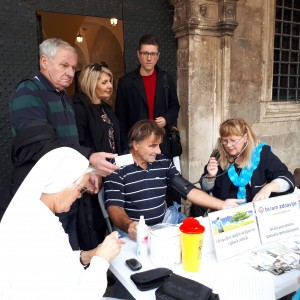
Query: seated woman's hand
x,y
266,191
212,166
110,247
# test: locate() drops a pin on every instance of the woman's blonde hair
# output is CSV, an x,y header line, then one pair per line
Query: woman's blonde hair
x,y
89,77
238,127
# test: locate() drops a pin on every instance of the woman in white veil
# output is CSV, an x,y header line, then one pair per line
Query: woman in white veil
x,y
36,259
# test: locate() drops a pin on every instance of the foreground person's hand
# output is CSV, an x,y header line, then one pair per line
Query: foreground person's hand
x,y
99,160
93,184
110,247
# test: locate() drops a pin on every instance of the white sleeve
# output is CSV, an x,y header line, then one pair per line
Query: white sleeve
x,y
283,185
94,280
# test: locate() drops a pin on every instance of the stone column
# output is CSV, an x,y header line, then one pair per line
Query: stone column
x,y
203,29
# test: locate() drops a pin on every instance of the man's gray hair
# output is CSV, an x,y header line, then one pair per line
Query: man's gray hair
x,y
49,47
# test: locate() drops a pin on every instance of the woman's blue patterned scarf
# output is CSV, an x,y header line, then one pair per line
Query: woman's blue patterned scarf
x,y
246,173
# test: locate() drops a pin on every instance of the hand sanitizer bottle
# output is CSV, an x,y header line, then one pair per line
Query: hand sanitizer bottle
x,y
142,238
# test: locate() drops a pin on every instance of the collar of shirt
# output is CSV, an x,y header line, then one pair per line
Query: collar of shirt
x,y
45,81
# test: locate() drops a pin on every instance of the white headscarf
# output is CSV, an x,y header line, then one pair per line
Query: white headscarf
x,y
54,172
36,259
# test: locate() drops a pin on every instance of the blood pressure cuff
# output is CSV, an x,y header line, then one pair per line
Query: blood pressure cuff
x,y
180,288
181,186
151,279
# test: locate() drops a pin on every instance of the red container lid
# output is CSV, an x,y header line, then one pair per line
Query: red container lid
x,y
191,225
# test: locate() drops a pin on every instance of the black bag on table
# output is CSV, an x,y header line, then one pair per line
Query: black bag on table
x,y
177,287
150,279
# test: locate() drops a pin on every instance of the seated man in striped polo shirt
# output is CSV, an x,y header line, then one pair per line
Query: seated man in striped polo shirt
x,y
140,188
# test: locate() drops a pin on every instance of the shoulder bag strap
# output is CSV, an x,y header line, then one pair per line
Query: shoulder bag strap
x,y
166,87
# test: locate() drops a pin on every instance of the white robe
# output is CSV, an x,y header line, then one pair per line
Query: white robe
x,y
37,262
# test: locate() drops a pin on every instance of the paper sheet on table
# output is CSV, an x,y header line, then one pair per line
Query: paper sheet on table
x,y
230,285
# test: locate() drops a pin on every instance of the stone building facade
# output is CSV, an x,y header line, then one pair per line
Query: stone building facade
x,y
220,51
224,70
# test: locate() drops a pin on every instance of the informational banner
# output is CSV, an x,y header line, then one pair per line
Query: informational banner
x,y
278,217
234,230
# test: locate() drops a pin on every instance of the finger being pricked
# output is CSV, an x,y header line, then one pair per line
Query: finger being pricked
x,y
115,237
110,247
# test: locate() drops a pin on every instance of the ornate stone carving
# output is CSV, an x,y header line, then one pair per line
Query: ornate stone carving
x,y
227,22
203,10
204,17
185,17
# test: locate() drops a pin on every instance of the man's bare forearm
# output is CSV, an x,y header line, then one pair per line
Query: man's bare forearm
x,y
201,198
119,217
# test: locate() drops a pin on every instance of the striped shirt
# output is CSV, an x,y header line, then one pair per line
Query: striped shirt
x,y
139,191
38,102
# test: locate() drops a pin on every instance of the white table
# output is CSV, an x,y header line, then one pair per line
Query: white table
x,y
231,279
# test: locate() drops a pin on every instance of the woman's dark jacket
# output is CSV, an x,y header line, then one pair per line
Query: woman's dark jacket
x,y
270,167
91,226
90,129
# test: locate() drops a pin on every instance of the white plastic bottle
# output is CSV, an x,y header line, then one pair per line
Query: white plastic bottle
x,y
142,238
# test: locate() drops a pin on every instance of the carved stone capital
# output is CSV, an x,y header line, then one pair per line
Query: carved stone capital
x,y
227,14
204,17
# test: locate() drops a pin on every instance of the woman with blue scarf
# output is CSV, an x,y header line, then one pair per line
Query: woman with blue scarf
x,y
242,167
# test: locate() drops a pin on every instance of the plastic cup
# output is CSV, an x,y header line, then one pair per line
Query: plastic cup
x,y
192,233
165,245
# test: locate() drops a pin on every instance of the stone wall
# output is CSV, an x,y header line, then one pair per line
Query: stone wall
x,y
251,82
225,63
